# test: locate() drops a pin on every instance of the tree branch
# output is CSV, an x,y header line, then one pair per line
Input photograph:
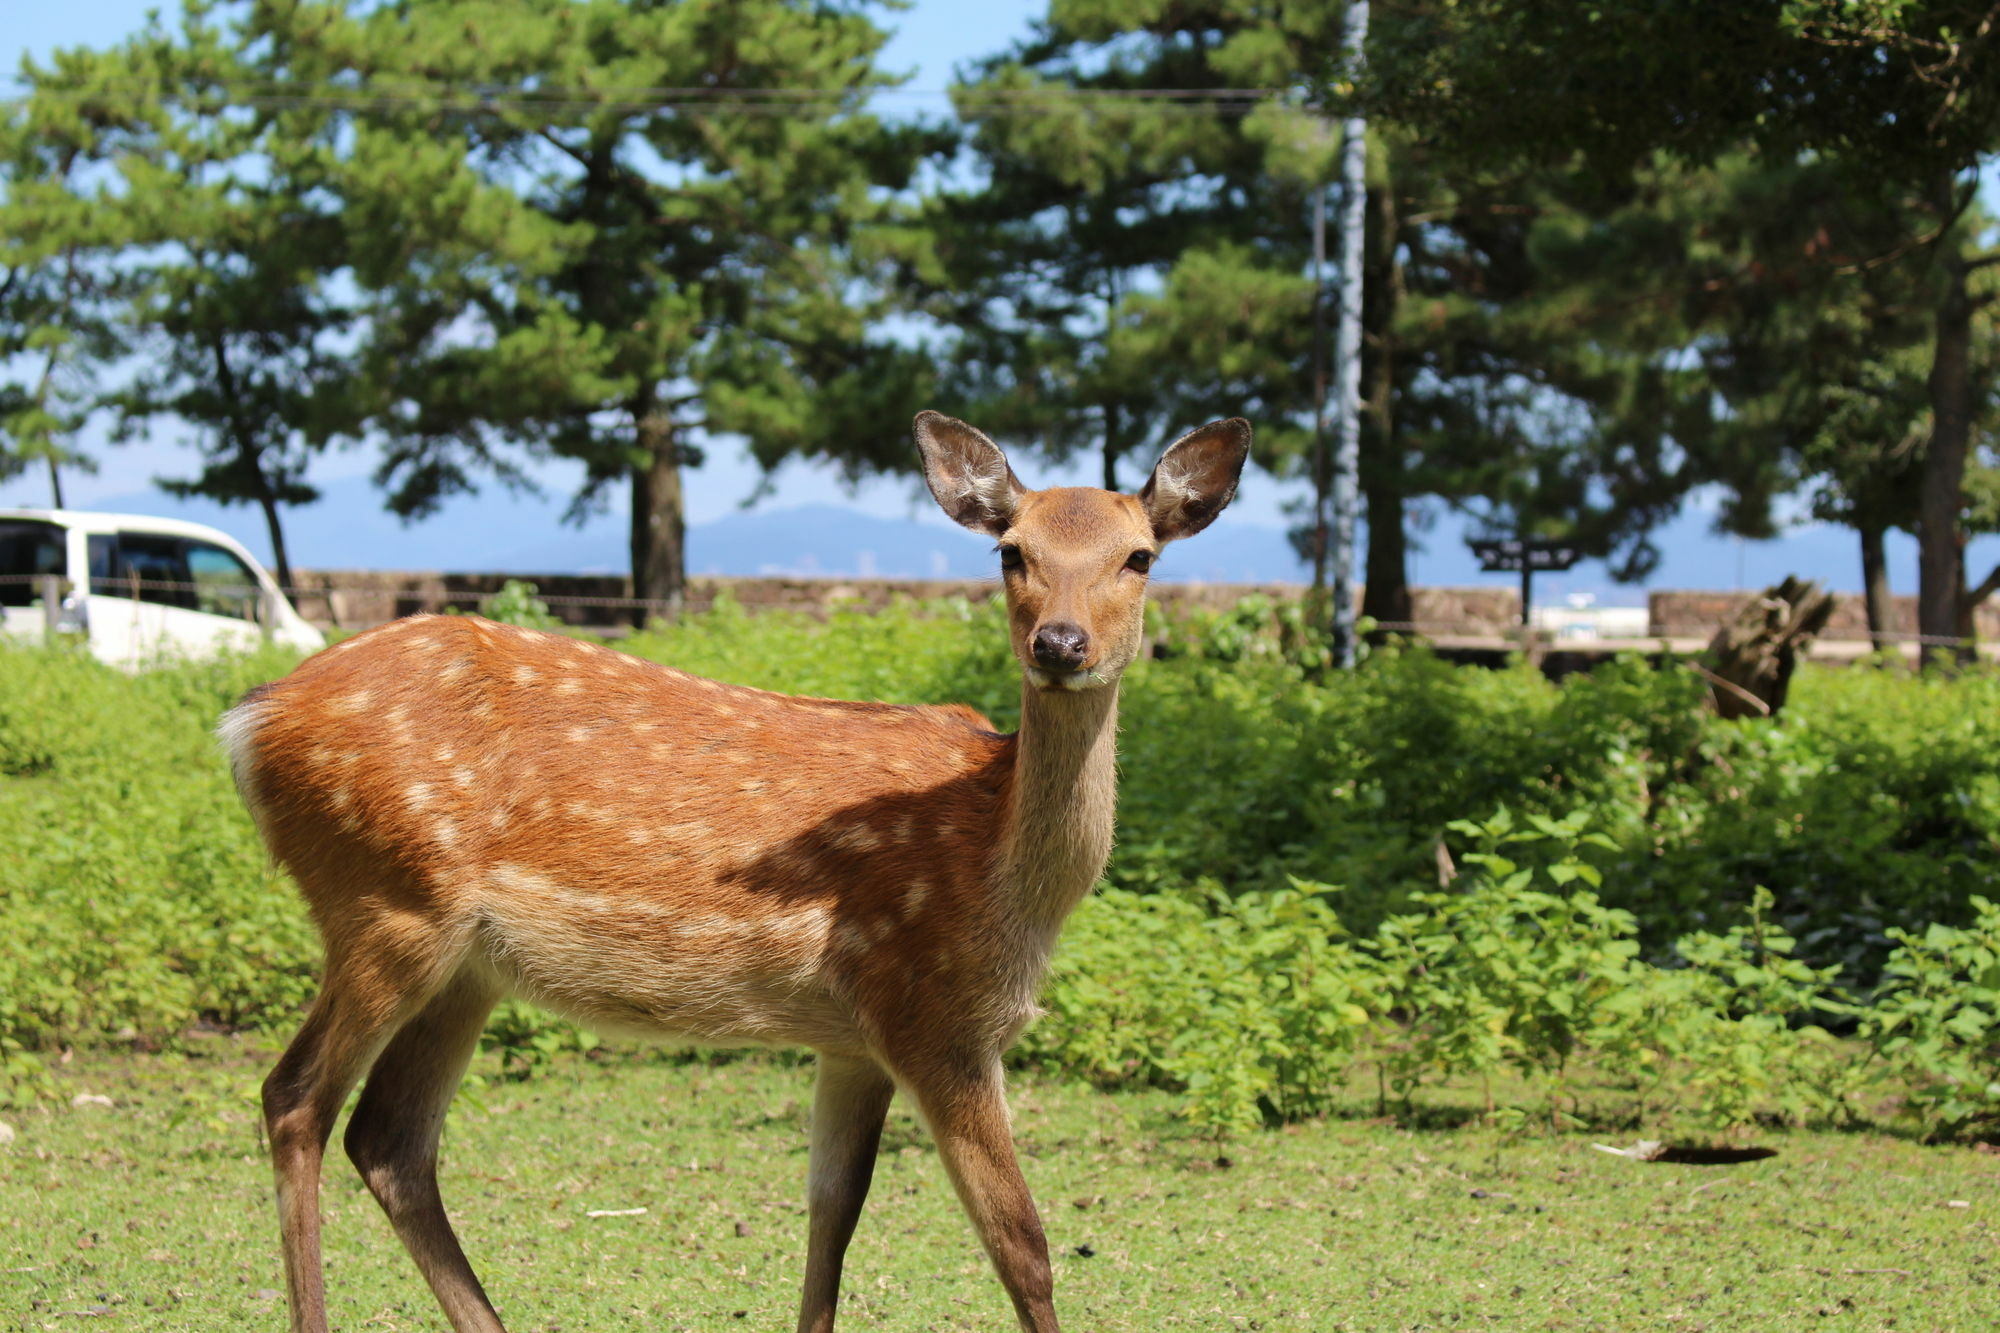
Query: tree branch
x,y
1987,587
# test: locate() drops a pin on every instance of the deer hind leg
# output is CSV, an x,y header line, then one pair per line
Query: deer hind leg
x,y
850,1100
365,995
392,1139
967,1115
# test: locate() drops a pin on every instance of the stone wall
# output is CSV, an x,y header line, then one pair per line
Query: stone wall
x,y
1697,615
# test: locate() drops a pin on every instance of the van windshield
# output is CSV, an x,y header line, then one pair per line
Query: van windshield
x,y
27,549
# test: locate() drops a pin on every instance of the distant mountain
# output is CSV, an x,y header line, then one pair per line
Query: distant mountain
x,y
498,531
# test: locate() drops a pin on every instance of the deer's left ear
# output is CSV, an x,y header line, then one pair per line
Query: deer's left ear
x,y
1196,478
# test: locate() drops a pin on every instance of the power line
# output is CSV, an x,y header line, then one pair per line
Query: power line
x,y
473,99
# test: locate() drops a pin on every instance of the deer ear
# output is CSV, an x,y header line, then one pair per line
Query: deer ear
x,y
1196,478
967,474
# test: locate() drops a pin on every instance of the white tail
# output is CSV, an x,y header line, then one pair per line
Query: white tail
x,y
473,810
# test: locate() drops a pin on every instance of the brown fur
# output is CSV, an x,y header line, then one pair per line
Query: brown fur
x,y
473,809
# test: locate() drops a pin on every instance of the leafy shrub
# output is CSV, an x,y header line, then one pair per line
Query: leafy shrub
x,y
1935,1020
1253,1006
517,604
1497,971
1617,911
135,895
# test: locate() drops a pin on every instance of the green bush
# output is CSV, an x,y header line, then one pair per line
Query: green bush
x,y
1786,918
1254,1006
1935,1021
135,895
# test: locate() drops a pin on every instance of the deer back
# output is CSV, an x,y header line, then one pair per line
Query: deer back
x,y
633,845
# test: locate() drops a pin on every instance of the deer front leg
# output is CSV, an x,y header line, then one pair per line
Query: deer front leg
x,y
967,1115
850,1100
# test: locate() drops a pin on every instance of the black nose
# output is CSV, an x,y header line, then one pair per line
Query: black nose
x,y
1060,647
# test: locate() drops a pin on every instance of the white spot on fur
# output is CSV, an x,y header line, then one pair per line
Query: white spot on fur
x,y
418,795
857,837
526,675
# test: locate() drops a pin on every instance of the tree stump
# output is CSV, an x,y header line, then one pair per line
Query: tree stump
x,y
1750,660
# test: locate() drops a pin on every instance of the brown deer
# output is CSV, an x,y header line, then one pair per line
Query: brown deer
x,y
473,810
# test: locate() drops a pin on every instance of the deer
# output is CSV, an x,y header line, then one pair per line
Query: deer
x,y
473,810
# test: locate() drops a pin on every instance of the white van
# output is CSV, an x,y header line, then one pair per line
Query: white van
x,y
140,589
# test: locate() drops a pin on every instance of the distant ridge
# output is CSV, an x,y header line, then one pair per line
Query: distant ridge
x,y
501,532
348,529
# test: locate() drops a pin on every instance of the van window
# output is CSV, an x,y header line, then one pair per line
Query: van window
x,y
223,585
27,548
147,565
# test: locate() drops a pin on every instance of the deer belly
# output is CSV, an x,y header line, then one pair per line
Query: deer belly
x,y
659,969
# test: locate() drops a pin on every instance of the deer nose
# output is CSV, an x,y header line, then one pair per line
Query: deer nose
x,y
1060,647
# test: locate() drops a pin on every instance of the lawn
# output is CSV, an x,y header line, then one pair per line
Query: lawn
x,y
156,1210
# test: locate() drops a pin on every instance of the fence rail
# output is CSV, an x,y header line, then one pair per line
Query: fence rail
x,y
394,597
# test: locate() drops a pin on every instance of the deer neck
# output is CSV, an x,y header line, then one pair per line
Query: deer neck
x,y
1064,800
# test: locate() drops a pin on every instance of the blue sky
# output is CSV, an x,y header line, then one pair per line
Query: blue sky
x,y
931,39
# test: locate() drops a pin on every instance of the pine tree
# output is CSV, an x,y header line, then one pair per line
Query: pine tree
x,y
58,238
235,272
1135,258
608,231
1901,91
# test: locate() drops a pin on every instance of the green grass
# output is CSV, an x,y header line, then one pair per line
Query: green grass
x,y
158,1211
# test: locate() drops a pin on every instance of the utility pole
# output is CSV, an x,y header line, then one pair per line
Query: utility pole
x,y
1346,470
1322,456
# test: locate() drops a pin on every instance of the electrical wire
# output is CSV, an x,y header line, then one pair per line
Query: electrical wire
x,y
970,102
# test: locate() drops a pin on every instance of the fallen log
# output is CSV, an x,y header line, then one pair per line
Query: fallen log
x,y
1749,662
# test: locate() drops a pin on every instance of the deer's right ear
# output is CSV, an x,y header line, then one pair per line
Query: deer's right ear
x,y
967,474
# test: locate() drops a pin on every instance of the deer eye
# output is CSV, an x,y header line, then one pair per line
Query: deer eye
x,y
1139,561
1010,557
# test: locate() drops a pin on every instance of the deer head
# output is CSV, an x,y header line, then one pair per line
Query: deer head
x,y
1074,560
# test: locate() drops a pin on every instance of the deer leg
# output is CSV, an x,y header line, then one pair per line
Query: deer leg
x,y
850,1100
392,1139
360,1004
967,1115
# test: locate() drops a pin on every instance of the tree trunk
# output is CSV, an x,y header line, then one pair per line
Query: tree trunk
x,y
1968,603
55,482
250,457
1751,658
1875,583
1111,446
276,528
1385,595
659,529
1940,531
